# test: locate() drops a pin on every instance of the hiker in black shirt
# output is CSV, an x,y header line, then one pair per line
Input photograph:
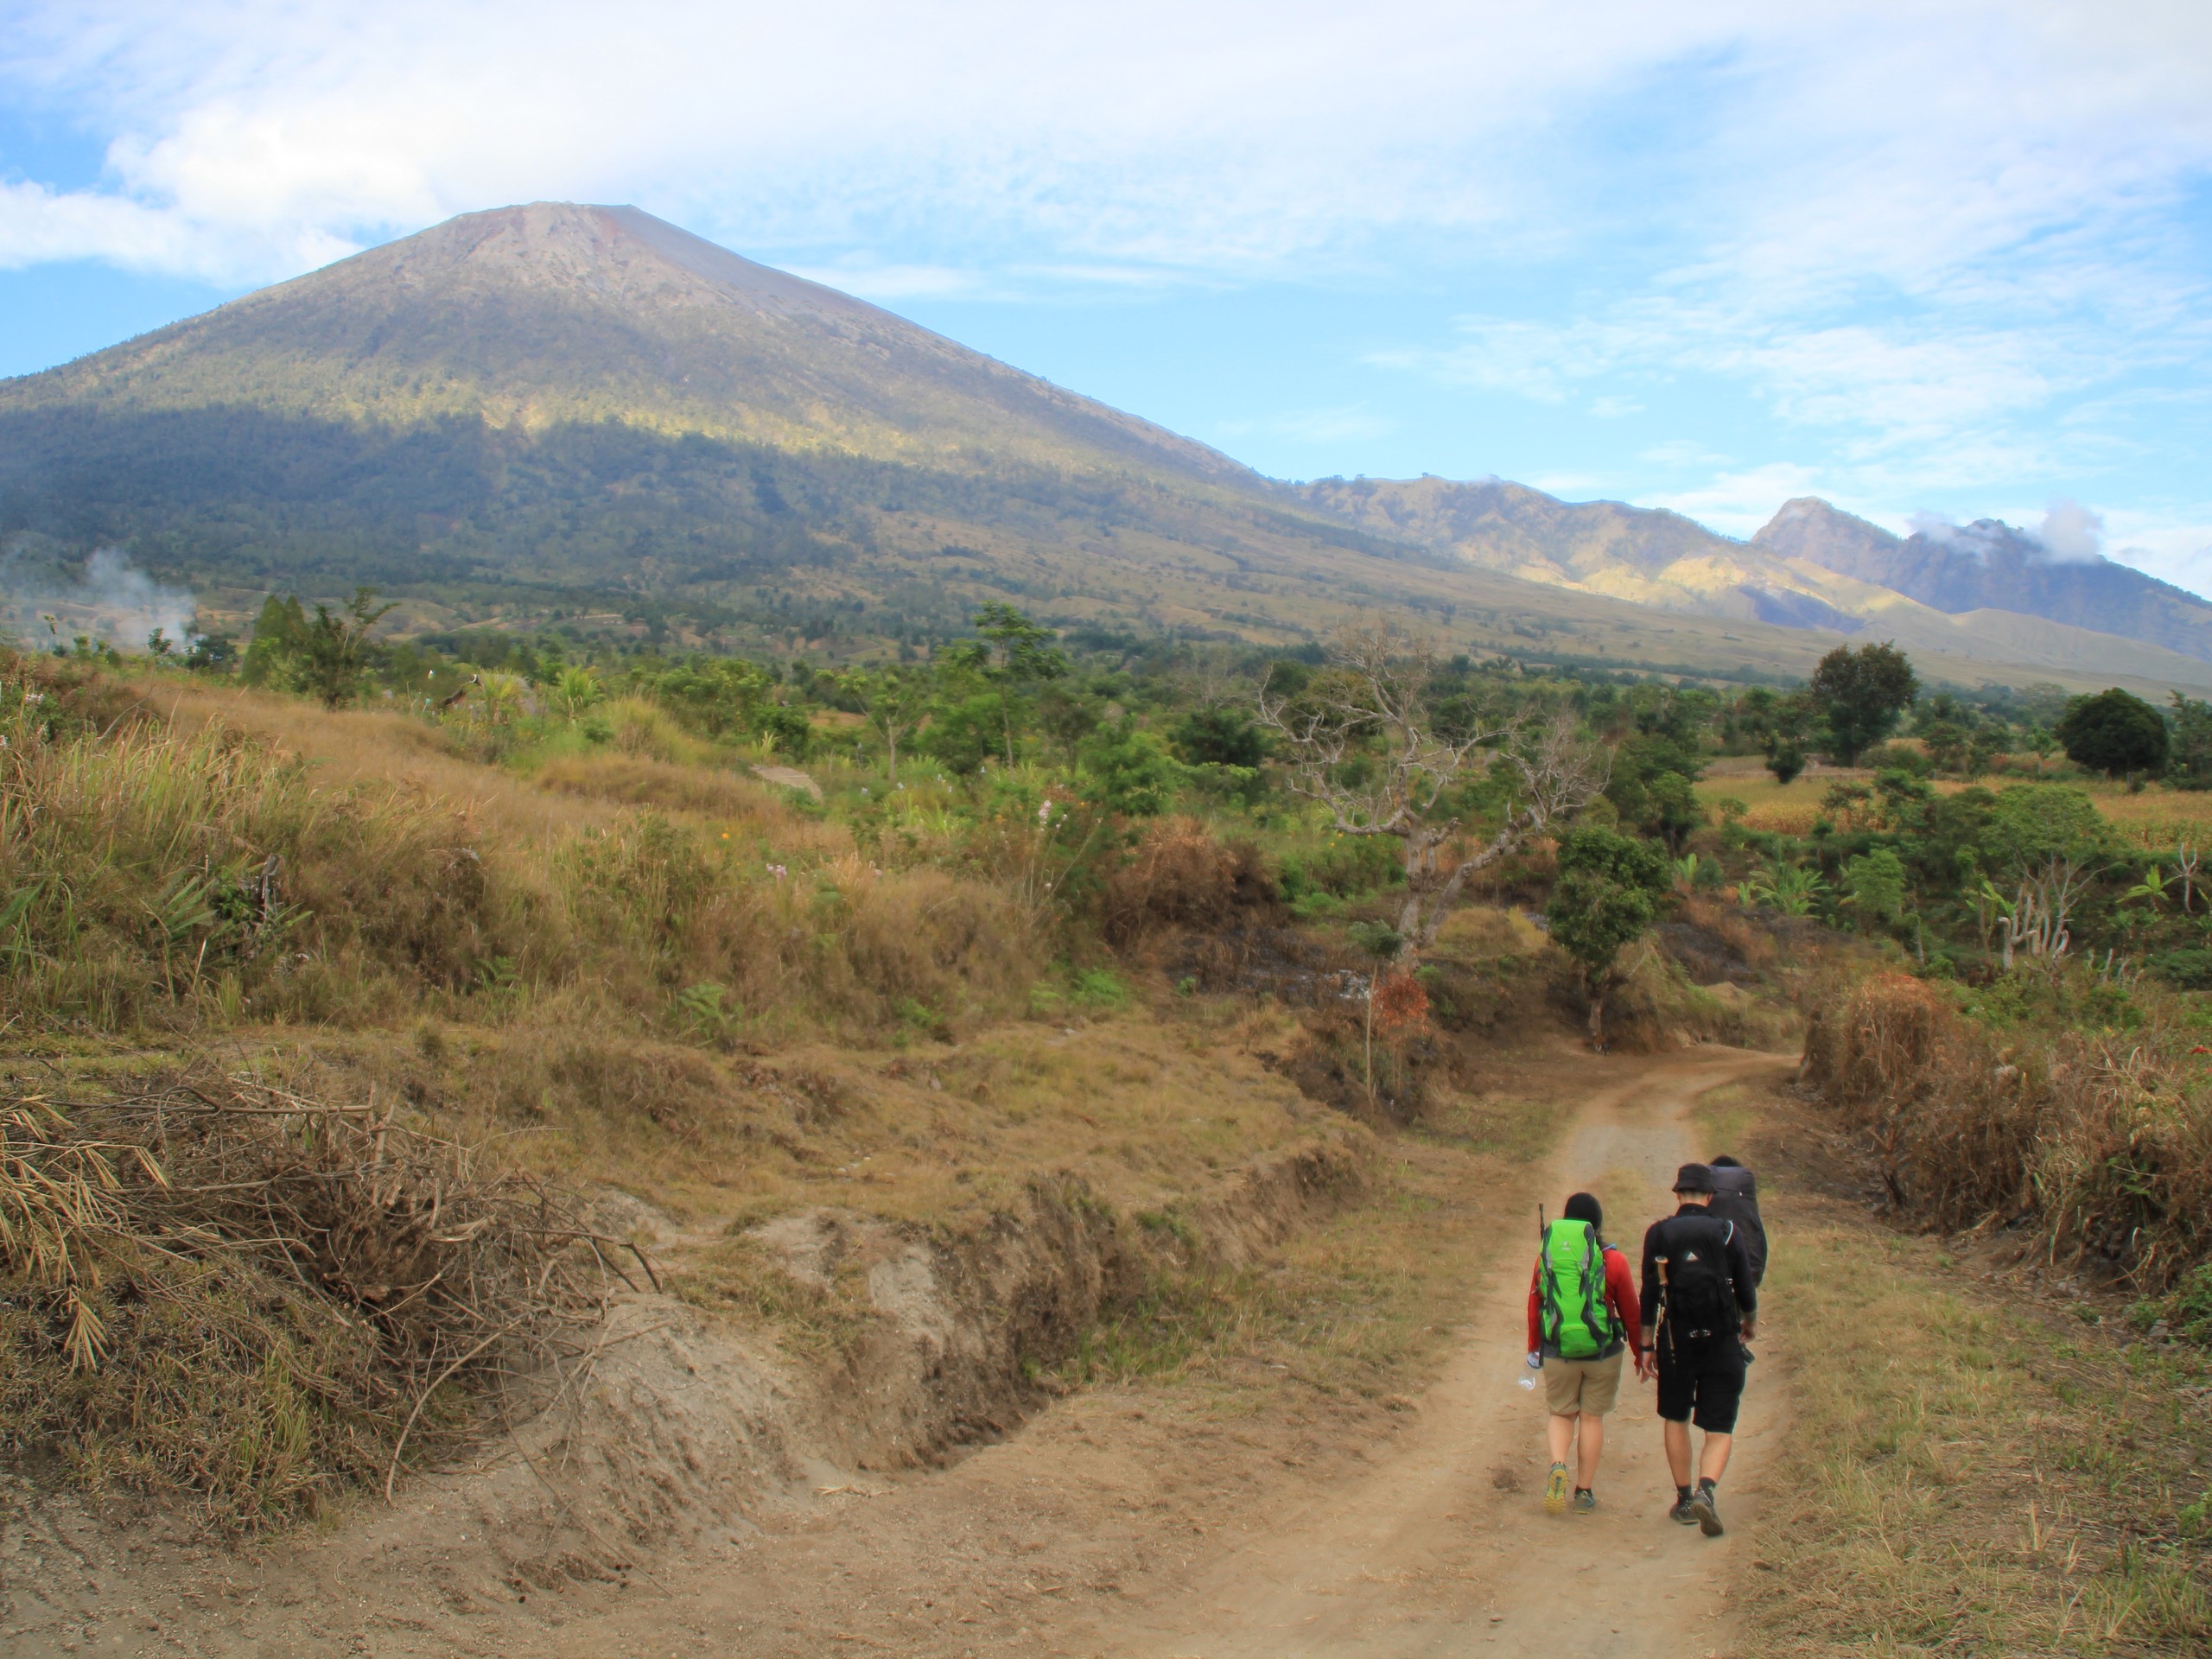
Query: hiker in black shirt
x,y
1699,1291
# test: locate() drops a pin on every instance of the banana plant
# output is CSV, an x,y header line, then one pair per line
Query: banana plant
x,y
2151,889
2149,892
1787,888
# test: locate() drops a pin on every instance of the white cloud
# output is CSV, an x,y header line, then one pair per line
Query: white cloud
x,y
2174,547
1833,138
893,282
1332,425
2071,534
1680,452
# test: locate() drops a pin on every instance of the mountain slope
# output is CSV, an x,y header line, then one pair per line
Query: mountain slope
x,y
586,399
572,407
1640,554
534,315
1988,565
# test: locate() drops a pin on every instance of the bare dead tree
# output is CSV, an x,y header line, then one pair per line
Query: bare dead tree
x,y
1361,739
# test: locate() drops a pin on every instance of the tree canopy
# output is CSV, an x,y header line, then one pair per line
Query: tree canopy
x,y
2115,733
1610,889
1859,695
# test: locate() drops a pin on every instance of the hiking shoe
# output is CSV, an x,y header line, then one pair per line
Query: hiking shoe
x,y
1585,1500
1555,1491
1682,1510
1706,1512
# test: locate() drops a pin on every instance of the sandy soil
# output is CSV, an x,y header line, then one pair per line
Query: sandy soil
x,y
1253,1522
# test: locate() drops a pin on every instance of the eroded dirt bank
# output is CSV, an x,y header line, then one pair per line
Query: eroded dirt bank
x,y
675,1432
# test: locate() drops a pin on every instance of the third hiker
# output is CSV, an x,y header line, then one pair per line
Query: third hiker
x,y
1700,1289
1582,1316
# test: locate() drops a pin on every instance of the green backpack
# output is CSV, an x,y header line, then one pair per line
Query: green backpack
x,y
1576,1322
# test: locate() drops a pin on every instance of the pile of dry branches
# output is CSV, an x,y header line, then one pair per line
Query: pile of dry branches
x,y
2105,1141
219,1286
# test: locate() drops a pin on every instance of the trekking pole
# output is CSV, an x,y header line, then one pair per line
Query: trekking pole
x,y
1660,1262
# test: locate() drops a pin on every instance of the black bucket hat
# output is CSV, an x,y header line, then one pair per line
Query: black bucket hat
x,y
1693,1178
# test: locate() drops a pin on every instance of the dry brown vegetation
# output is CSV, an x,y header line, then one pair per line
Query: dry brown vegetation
x,y
216,1286
2105,1139
188,874
654,979
1180,875
1970,1469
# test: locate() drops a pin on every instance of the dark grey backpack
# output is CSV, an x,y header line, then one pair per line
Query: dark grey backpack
x,y
1736,1198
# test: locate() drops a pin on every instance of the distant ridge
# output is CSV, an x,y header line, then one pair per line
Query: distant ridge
x,y
1812,567
1988,565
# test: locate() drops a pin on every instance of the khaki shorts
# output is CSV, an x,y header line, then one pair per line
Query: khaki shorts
x,y
1571,1386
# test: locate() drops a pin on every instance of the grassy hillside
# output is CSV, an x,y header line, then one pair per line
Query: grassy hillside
x,y
588,949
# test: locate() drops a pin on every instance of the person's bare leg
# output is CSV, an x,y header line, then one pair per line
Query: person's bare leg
x,y
1678,1451
1712,1458
1589,1445
1559,1433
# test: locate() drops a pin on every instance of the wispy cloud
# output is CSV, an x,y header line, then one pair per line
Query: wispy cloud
x,y
1738,503
1889,139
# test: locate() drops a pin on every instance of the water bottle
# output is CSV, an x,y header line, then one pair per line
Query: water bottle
x,y
1535,1363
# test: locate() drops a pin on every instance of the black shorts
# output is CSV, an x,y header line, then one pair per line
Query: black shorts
x,y
1702,1382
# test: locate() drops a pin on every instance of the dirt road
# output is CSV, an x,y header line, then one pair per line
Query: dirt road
x,y
1159,1521
1098,1531
1441,1548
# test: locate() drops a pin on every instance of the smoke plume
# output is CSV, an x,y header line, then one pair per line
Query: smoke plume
x,y
110,601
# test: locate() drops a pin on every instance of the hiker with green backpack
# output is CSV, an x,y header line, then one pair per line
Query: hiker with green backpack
x,y
1583,1315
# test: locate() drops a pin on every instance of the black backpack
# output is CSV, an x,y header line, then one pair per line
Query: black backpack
x,y
1701,1295
1736,1198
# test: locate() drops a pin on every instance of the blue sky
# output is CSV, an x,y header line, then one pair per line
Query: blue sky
x,y
1952,256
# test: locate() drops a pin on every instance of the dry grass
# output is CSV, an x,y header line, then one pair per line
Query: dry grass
x,y
380,750
2105,1137
216,1286
1180,875
2154,818
1964,1475
1356,1304
188,876
1142,1109
1965,1471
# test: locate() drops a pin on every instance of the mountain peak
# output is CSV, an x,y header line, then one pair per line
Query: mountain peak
x,y
615,253
1807,523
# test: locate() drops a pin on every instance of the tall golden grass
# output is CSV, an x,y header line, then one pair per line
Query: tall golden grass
x,y
2106,1139
159,872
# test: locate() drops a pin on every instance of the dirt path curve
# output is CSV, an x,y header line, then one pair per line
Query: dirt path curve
x,y
1442,1548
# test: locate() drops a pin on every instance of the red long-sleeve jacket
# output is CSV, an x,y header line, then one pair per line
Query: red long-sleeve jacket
x,y
1620,1296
